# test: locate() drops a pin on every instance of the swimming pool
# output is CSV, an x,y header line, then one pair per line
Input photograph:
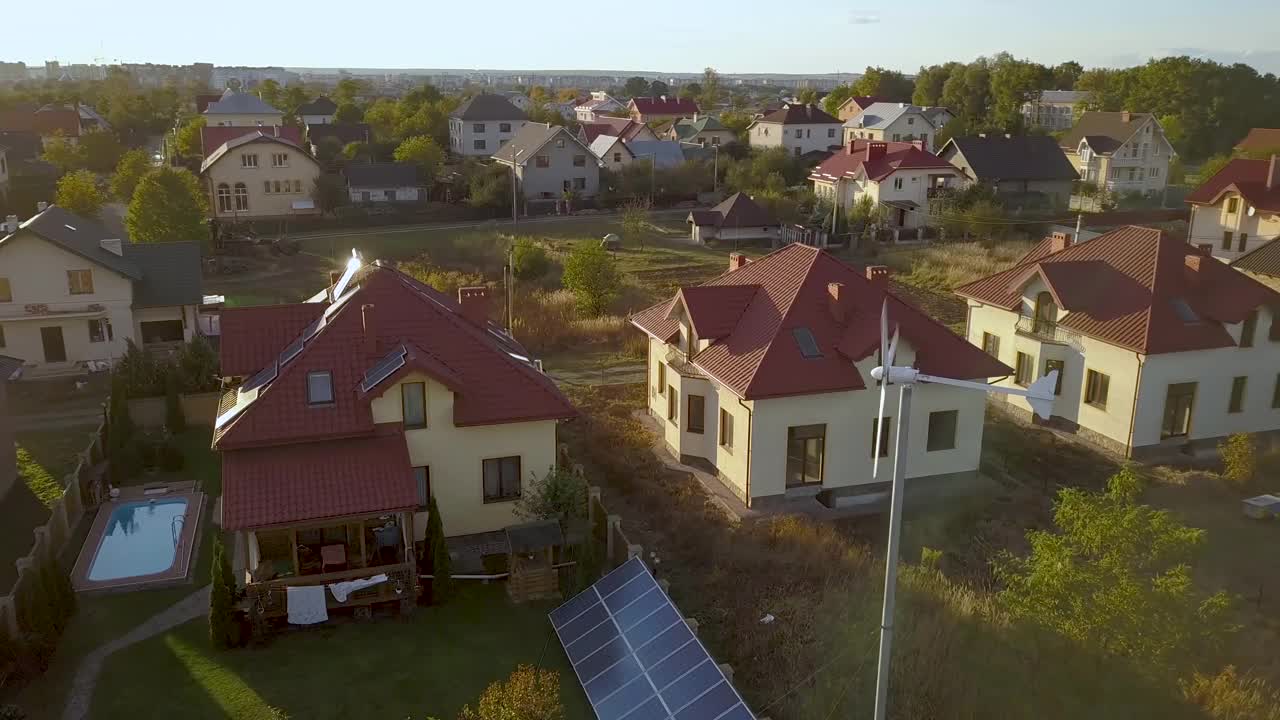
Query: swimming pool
x,y
140,538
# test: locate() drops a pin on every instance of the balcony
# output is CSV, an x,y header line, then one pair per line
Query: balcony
x,y
1045,331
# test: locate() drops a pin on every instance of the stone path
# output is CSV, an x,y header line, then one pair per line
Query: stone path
x,y
79,698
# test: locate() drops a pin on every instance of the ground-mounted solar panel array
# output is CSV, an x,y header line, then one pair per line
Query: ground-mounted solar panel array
x,y
636,657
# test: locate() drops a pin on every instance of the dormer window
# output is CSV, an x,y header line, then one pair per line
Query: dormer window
x,y
320,388
1233,205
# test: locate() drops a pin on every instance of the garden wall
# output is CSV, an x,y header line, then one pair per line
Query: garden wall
x,y
198,408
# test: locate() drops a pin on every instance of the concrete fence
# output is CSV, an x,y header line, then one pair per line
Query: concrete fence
x,y
197,408
82,491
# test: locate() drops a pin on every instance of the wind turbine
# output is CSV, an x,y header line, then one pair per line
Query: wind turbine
x,y
1039,395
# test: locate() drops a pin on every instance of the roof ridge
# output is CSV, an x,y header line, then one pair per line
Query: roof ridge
x,y
782,319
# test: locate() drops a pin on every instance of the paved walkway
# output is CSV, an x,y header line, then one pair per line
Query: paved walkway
x,y
79,698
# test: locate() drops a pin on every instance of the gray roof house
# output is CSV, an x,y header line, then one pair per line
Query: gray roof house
x,y
238,108
72,292
384,182
551,163
1024,165
483,124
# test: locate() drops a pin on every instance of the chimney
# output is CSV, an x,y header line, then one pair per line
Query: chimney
x,y
878,276
875,151
1059,241
112,246
836,301
42,206
920,144
1206,249
695,116
1273,173
475,304
11,224
737,261
370,329
275,129
1125,116
1195,261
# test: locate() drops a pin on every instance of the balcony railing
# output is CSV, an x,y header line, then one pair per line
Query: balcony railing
x,y
1047,331
267,599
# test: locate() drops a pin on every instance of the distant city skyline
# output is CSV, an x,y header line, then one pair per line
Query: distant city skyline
x,y
808,38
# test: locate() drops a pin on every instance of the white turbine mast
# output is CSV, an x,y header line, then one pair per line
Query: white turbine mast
x,y
1039,395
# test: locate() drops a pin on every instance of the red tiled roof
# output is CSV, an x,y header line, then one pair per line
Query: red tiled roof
x,y
897,156
1123,287
625,128
863,101
714,310
314,481
253,336
495,386
45,121
665,105
212,137
759,357
1247,177
1260,139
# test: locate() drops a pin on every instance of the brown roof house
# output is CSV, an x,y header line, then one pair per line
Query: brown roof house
x,y
1260,140
738,217
1238,208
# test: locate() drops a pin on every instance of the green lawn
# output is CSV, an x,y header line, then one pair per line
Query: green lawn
x,y
429,665
31,397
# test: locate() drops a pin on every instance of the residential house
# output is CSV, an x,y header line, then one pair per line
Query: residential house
x,y
702,130
384,182
213,137
624,128
550,163
598,105
519,99
611,151
317,112
10,370
900,177
1262,263
360,407
46,121
855,105
564,109
890,122
338,134
1260,140
737,217
1159,346
1121,151
938,116
260,175
798,128
483,124
22,158
1054,110
661,108
1027,170
663,154
1238,208
243,110
755,370
72,291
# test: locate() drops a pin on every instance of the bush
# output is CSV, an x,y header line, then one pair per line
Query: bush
x,y
12,712
439,563
593,277
1229,696
529,694
222,626
127,461
1239,459
529,261
171,459
194,369
558,495
174,420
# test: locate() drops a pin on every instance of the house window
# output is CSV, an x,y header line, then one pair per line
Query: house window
x,y
1237,394
504,127
697,413
277,186
1226,239
831,132
1096,385
887,424
897,137
422,481
806,448
80,282
726,425
579,160
248,161
617,157
1046,313
297,186
1247,329
502,479
911,121
673,405
242,197
413,401
279,160
1244,242
1275,393
99,330
541,161
715,140
319,388
1178,401
897,183
477,127
560,143
478,144
6,292
942,430
1233,205
1023,369
1061,367
662,379
799,134
266,186
579,183
991,344
224,198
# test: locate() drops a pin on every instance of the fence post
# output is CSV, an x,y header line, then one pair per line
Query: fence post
x,y
612,522
635,551
593,499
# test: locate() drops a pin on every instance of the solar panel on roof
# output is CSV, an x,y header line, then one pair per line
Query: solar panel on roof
x,y
808,345
261,378
636,657
291,351
392,362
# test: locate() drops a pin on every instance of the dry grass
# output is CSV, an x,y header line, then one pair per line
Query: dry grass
x,y
1231,696
945,266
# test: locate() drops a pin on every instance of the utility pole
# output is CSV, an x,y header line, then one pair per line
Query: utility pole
x,y
511,247
891,559
715,169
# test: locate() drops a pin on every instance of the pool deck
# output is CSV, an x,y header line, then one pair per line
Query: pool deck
x,y
176,573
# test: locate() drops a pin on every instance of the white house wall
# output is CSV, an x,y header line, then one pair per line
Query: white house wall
x,y
820,136
463,135
1210,223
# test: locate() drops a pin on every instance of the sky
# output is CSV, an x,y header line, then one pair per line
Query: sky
x,y
734,36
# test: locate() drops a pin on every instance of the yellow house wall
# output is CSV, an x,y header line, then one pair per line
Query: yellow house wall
x,y
229,170
456,454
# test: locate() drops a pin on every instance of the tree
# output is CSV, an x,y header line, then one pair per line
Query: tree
x,y
710,91
130,170
174,419
590,273
347,90
1239,459
489,186
930,81
635,86
657,88
438,563
423,152
558,495
168,205
1066,74
270,92
635,217
383,116
737,122
890,85
1116,577
837,97
348,113
689,90
807,95
78,193
221,610
529,694
187,143
101,150
63,154
329,192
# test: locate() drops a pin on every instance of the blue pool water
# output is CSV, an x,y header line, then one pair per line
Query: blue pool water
x,y
141,538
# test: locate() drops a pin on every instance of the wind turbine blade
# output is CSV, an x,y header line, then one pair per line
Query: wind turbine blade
x,y
875,451
1040,394
893,350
